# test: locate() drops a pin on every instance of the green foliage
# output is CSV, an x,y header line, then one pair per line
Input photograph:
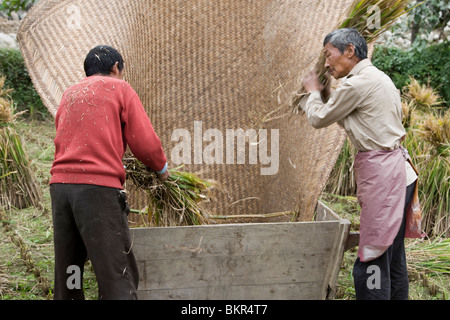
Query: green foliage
x,y
24,95
428,65
429,15
15,5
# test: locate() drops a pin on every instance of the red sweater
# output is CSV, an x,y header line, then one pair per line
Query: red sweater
x,y
96,120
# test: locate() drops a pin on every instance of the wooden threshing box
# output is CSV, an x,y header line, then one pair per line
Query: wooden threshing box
x,y
255,261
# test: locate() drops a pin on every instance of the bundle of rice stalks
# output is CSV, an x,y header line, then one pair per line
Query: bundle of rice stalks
x,y
434,166
436,131
408,109
174,202
18,186
421,97
6,114
430,256
342,179
371,18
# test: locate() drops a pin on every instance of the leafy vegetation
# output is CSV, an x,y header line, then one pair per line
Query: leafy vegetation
x,y
428,65
428,16
24,95
9,6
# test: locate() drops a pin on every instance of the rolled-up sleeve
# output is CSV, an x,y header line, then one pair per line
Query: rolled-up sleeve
x,y
341,103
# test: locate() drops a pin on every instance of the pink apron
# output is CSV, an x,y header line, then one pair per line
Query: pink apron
x,y
381,190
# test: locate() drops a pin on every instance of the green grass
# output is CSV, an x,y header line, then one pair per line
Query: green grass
x,y
428,260
33,225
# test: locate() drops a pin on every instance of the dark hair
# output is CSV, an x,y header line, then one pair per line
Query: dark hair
x,y
101,59
341,38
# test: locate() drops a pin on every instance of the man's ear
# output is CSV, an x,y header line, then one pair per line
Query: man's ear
x,y
115,69
350,51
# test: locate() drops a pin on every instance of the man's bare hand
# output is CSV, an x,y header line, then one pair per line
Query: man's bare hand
x,y
163,177
311,82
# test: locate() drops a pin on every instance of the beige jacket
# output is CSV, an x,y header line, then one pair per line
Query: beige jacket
x,y
367,105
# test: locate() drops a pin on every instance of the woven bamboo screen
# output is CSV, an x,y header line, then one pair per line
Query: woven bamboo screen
x,y
222,64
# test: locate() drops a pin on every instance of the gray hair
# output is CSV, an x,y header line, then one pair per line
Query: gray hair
x,y
341,38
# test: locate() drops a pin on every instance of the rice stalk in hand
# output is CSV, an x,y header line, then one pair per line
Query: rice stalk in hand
x,y
360,13
174,202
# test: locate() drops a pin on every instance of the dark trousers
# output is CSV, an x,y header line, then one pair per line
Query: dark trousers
x,y
385,277
90,222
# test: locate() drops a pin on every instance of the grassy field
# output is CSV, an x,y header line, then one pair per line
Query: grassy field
x,y
26,236
427,279
26,239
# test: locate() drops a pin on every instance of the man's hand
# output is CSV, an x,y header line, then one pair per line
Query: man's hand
x,y
311,83
163,177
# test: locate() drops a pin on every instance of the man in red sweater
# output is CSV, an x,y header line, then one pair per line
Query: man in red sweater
x,y
96,120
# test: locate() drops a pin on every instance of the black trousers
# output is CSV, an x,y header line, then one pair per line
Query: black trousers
x,y
386,277
90,222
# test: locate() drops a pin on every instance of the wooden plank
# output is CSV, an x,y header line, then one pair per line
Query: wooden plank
x,y
238,261
352,240
294,291
336,255
324,213
231,270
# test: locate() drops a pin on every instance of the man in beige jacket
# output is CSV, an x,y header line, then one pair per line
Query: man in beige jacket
x,y
367,105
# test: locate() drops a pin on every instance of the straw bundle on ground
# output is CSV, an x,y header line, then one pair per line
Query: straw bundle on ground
x,y
434,157
18,186
431,256
6,112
